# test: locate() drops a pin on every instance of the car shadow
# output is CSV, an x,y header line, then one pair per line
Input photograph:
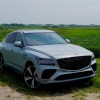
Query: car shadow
x,y
14,81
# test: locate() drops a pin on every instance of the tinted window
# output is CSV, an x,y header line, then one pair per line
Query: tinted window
x,y
11,38
19,37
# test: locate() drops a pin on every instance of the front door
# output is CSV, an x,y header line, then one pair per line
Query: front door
x,y
17,54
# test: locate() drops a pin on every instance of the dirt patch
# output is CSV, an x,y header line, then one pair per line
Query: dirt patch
x,y
7,93
92,96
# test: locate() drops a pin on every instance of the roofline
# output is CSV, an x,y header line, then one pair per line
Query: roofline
x,y
33,31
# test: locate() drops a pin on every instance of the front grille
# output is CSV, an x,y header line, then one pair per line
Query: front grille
x,y
74,63
74,75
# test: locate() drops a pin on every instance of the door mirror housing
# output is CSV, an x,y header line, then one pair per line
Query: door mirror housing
x,y
18,44
68,41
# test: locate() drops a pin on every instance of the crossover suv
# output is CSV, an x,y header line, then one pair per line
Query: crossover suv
x,y
43,57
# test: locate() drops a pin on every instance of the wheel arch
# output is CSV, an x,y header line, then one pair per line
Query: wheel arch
x,y
28,63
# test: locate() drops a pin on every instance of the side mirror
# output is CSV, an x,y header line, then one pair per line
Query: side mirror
x,y
18,44
68,41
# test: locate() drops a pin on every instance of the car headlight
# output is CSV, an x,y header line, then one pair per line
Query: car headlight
x,y
44,61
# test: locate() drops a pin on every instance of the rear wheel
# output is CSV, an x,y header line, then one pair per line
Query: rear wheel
x,y
1,63
31,78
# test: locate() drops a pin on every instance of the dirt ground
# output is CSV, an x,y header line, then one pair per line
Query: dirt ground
x,y
7,93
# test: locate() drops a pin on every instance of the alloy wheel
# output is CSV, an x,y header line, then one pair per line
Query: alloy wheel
x,y
31,78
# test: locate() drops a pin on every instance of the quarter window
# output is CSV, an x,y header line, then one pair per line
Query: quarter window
x,y
11,38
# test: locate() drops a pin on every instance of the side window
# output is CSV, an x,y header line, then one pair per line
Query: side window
x,y
11,38
19,37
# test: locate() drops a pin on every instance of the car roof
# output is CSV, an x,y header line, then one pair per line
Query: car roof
x,y
34,31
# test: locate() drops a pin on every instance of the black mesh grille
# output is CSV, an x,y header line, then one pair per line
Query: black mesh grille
x,y
74,75
74,63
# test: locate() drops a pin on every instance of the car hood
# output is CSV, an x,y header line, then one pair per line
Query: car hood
x,y
62,50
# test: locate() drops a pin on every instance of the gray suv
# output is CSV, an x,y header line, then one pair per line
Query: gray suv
x,y
43,57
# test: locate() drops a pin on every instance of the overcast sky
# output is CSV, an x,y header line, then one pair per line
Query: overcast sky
x,y
50,11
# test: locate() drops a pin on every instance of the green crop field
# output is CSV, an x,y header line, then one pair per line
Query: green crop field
x,y
86,37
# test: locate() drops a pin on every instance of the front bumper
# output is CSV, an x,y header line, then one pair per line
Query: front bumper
x,y
53,74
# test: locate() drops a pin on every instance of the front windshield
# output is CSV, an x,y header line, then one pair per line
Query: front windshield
x,y
49,38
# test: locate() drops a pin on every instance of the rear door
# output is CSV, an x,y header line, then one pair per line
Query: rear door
x,y
7,48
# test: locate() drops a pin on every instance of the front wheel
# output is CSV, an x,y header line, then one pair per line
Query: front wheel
x,y
31,78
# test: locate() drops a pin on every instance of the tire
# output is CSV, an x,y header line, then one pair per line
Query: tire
x,y
30,77
1,63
